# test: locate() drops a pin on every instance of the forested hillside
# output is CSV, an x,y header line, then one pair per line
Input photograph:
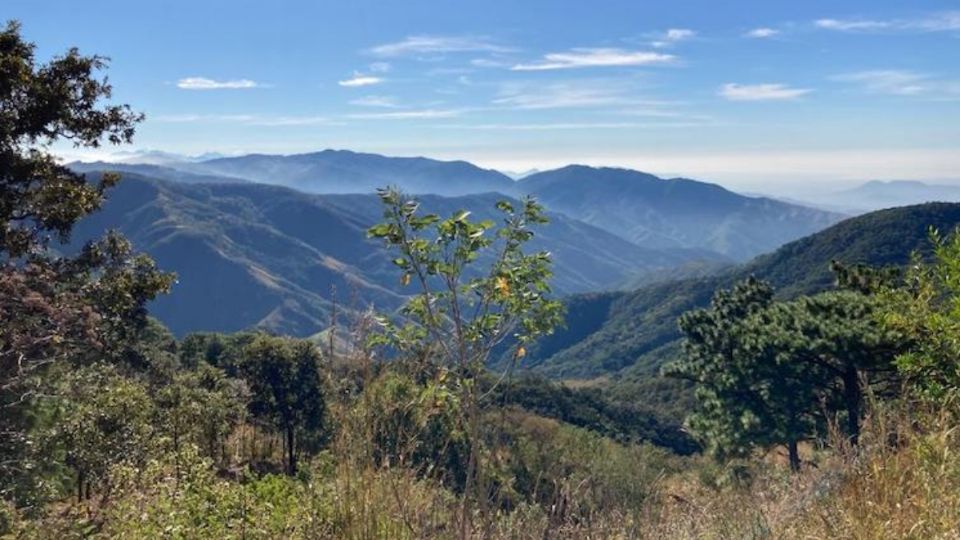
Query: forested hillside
x,y
640,208
638,330
252,255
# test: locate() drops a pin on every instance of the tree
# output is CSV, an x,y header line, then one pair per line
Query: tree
x,y
839,337
53,307
104,419
201,407
460,311
286,387
766,371
926,310
749,393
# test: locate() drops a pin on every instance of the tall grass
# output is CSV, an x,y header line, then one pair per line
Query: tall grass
x,y
384,475
902,481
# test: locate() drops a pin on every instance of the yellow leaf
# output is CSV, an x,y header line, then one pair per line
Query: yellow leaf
x,y
503,287
405,279
521,352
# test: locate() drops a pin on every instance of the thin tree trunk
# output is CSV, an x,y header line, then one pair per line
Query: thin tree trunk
x,y
794,455
291,454
851,395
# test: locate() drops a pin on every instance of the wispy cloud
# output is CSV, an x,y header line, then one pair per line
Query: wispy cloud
x,y
850,25
595,57
380,67
902,83
762,32
424,44
386,102
761,92
488,63
938,22
551,126
667,110
562,95
282,121
203,83
409,115
359,79
247,119
671,37
889,81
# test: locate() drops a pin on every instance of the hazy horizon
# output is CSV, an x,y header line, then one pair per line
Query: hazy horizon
x,y
759,96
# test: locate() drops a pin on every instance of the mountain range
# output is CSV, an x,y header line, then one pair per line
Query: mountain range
x,y
641,208
630,332
876,194
249,254
676,212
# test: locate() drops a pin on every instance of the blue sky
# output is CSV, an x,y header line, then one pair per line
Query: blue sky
x,y
753,94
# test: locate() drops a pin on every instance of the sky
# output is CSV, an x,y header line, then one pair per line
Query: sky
x,y
757,95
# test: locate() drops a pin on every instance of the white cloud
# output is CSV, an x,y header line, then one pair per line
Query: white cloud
x,y
889,81
562,95
379,67
281,121
487,63
761,92
247,119
550,126
670,37
409,115
359,79
679,34
594,57
203,83
943,22
386,102
418,45
762,32
903,83
449,71
939,22
850,25
187,118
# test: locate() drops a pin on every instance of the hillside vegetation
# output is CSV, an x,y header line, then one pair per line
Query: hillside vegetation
x,y
253,255
637,330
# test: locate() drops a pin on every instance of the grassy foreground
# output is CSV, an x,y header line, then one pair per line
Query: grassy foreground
x,y
902,482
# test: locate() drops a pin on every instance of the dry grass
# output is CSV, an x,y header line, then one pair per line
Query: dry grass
x,y
902,482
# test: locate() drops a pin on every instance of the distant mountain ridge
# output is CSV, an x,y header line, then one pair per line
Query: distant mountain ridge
x,y
877,194
160,172
677,212
251,254
344,171
641,208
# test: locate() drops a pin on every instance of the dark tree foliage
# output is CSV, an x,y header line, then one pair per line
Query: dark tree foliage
x,y
840,343
286,388
864,278
765,372
746,396
52,307
589,408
